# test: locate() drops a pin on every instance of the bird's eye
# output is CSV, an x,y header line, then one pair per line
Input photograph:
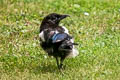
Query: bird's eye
x,y
53,18
57,16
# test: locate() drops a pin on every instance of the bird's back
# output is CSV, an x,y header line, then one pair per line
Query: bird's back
x,y
53,40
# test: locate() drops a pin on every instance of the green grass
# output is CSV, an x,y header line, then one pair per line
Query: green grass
x,y
98,35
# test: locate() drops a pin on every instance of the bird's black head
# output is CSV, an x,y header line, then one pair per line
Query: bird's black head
x,y
54,18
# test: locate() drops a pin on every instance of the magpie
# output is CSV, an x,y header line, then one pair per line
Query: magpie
x,y
56,40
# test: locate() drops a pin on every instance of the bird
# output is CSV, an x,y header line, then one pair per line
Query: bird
x,y
56,40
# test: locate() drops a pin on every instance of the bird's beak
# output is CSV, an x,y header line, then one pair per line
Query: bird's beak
x,y
75,43
64,16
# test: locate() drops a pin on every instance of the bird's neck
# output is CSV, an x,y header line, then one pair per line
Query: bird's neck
x,y
47,25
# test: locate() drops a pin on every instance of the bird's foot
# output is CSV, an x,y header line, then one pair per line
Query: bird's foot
x,y
61,67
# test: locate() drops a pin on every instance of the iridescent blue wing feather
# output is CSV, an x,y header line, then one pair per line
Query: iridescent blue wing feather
x,y
59,37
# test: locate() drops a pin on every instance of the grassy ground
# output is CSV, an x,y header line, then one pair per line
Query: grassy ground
x,y
95,24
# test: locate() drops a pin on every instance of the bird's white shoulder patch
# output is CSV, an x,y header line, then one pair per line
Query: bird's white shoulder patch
x,y
66,30
56,32
41,35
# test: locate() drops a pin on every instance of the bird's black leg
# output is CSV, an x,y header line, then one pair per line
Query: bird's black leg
x,y
57,62
61,62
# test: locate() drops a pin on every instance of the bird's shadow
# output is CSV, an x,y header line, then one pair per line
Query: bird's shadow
x,y
45,69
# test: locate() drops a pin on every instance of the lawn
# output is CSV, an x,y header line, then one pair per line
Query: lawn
x,y
95,25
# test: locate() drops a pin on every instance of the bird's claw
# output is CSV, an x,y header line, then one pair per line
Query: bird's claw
x,y
61,67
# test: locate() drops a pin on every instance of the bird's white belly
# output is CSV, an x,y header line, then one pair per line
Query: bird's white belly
x,y
41,35
73,53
